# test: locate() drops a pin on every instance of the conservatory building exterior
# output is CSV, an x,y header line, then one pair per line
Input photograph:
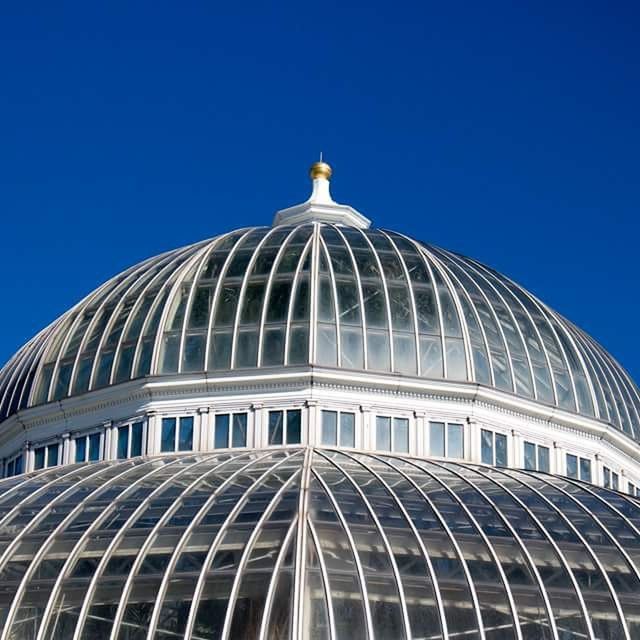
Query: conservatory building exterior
x,y
317,430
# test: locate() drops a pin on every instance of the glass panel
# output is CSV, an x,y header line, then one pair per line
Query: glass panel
x,y
436,438
501,450
347,430
352,348
572,466
239,435
543,459
329,427
294,426
530,456
401,435
275,427
378,355
168,442
383,433
299,345
94,447
614,481
273,347
431,363
455,441
606,476
220,353
585,469
81,449
404,353
247,353
486,445
193,356
123,441
52,455
136,439
186,434
327,351
171,347
39,458
279,302
221,434
456,365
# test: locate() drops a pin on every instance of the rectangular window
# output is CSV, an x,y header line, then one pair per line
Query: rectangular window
x,y
94,447
136,439
606,477
614,481
39,458
631,489
572,466
168,442
392,434
347,429
123,442
585,469
10,469
285,427
493,448
52,455
81,448
536,457
455,440
223,437
436,439
18,466
185,442
329,434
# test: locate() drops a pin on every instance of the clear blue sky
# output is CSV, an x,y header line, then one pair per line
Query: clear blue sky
x,y
509,131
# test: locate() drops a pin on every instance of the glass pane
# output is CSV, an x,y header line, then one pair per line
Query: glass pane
x,y
136,439
273,347
486,445
383,433
585,469
436,438
52,455
186,434
239,436
221,434
572,466
220,352
455,441
404,354
294,426
168,442
39,458
275,427
378,355
614,481
352,348
501,450
530,456
456,365
247,354
123,441
543,459
81,449
606,475
401,435
299,345
347,430
193,356
329,428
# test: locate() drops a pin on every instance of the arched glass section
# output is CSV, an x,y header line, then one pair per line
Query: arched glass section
x,y
314,543
325,295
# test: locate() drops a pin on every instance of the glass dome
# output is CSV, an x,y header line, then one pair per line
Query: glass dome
x,y
326,295
318,544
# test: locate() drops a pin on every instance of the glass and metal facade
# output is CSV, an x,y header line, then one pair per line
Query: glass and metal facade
x,y
323,295
314,543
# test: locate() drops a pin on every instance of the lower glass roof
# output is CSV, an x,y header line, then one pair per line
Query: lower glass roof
x,y
314,543
326,295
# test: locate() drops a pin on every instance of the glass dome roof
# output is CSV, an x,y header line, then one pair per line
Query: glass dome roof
x,y
328,295
318,544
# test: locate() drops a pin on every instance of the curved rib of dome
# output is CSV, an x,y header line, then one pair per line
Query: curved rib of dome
x,y
314,543
323,295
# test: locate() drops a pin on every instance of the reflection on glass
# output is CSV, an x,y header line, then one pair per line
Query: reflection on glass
x,y
436,438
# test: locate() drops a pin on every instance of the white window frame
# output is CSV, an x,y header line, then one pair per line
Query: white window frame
x,y
129,424
231,414
46,445
493,433
285,427
176,438
339,413
446,424
392,420
537,447
12,459
86,435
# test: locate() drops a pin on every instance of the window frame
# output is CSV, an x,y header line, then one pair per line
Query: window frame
x,y
393,420
177,429
580,460
47,446
494,455
284,441
339,426
446,424
129,425
537,447
231,415
86,436
11,460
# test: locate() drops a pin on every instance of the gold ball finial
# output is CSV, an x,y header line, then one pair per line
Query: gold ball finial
x,y
320,170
